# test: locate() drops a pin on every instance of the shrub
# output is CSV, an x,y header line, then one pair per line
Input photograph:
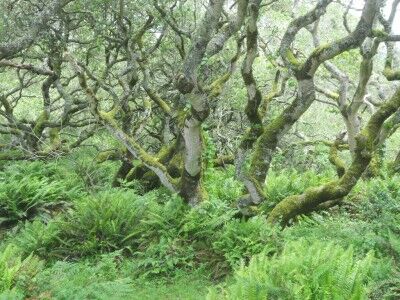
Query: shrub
x,y
221,241
342,229
202,222
302,271
146,227
378,200
161,249
200,227
377,203
164,257
92,175
9,266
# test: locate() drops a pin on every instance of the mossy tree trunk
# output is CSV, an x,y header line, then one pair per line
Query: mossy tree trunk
x,y
204,46
191,180
334,156
267,142
208,39
366,144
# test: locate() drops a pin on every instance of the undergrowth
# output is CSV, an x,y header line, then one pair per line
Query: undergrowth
x,y
66,240
29,190
301,271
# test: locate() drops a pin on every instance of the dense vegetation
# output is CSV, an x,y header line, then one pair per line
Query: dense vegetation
x,y
208,149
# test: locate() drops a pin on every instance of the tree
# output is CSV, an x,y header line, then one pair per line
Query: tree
x,y
161,79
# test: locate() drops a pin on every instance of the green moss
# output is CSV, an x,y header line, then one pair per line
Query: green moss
x,y
159,101
379,33
391,74
55,139
335,159
215,88
292,59
181,117
333,95
374,166
40,122
12,155
109,116
110,155
299,204
317,51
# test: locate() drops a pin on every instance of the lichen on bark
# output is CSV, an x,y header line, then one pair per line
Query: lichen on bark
x,y
366,144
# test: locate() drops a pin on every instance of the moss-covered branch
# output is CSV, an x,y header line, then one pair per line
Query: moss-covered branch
x,y
365,147
334,157
108,119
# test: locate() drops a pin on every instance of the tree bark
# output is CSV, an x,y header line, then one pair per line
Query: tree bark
x,y
366,143
266,144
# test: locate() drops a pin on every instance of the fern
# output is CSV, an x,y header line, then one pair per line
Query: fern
x,y
85,280
30,190
15,270
302,271
239,240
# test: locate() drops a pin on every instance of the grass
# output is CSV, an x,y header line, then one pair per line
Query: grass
x,y
184,287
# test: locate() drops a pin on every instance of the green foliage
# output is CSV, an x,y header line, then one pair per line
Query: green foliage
x,y
100,224
145,227
187,286
378,198
202,222
286,183
15,271
92,175
158,237
209,148
377,202
302,271
83,280
28,190
343,229
369,222
161,249
157,230
240,240
221,241
38,238
107,277
221,185
164,257
9,266
201,227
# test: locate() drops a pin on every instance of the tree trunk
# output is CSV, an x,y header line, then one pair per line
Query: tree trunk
x,y
191,180
365,147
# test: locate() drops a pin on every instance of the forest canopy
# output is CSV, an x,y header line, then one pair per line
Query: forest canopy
x,y
192,123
